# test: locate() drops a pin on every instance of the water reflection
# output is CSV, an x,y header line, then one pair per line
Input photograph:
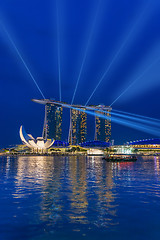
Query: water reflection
x,y
157,165
8,166
79,191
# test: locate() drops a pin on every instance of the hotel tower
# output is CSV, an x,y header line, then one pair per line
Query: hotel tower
x,y
78,127
102,125
53,122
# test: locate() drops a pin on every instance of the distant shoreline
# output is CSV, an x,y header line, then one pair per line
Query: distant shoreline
x,y
64,154
53,154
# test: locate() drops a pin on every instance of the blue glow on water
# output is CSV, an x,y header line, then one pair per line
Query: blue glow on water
x,y
20,56
79,198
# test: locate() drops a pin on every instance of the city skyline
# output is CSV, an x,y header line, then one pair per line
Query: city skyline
x,y
80,119
114,52
78,123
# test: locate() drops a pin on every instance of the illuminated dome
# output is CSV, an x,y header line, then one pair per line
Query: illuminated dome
x,y
39,143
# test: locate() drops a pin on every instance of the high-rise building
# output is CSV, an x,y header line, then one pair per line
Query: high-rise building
x,y
53,122
78,121
78,127
102,125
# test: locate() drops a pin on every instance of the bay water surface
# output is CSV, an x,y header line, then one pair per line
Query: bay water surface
x,y
66,198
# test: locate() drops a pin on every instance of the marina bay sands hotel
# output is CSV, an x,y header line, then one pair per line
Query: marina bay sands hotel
x,y
78,121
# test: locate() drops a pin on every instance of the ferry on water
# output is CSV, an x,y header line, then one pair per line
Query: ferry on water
x,y
120,158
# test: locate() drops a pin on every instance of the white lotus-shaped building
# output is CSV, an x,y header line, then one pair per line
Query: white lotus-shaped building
x,y
39,143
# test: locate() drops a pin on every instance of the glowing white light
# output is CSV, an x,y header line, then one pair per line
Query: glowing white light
x,y
38,143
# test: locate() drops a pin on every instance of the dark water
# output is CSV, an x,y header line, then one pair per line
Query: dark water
x,y
79,198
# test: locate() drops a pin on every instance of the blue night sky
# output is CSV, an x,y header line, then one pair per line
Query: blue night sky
x,y
33,27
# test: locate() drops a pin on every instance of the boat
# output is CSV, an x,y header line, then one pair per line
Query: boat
x,y
120,158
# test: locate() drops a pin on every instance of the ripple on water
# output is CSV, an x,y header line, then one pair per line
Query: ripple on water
x,y
79,197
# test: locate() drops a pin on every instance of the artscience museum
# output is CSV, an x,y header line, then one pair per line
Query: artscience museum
x,y
37,145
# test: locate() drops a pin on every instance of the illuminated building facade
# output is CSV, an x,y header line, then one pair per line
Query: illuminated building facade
x,y
103,126
53,122
78,121
146,146
78,127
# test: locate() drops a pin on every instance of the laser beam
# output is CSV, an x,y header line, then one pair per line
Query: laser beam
x,y
139,77
86,51
136,119
124,122
21,58
117,53
140,127
136,115
58,53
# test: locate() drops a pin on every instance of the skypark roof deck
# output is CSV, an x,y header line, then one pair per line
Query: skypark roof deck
x,y
78,120
66,105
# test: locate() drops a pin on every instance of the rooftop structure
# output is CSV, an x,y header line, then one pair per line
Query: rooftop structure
x,y
99,144
146,145
153,141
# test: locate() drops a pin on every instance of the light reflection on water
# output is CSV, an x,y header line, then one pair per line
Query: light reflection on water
x,y
75,197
